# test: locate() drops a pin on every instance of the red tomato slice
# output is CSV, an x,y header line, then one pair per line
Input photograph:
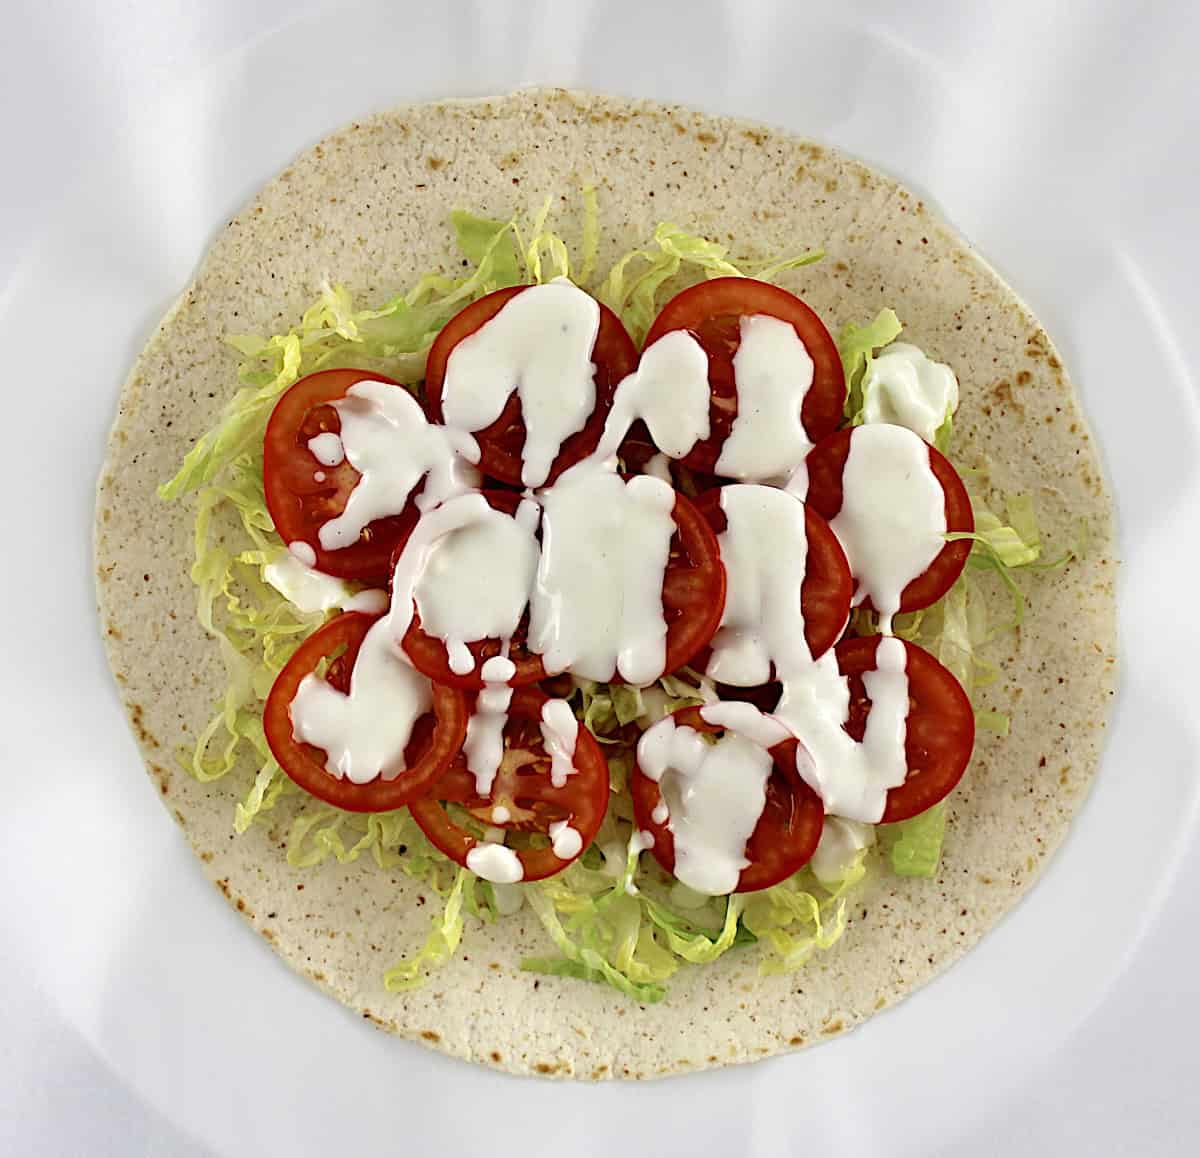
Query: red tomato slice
x,y
299,503
523,787
940,730
500,444
827,589
430,657
693,599
436,738
712,312
693,586
787,832
826,462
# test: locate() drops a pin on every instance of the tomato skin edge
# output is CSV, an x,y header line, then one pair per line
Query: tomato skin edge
x,y
295,759
590,776
805,830
940,724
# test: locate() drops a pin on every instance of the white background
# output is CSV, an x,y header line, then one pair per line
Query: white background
x,y
139,1017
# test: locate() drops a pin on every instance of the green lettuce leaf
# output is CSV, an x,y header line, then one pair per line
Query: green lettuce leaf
x,y
917,843
632,286
439,946
856,345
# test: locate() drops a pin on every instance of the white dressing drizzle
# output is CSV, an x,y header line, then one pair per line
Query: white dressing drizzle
x,y
851,778
668,391
476,578
659,466
597,601
496,863
303,553
309,590
893,515
387,439
560,730
714,793
841,842
364,733
773,372
906,387
539,344
765,550
327,449
484,744
566,841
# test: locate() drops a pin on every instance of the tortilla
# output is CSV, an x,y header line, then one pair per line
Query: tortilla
x,y
367,207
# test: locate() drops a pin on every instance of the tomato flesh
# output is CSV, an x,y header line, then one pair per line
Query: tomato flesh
x,y
712,312
825,464
436,737
787,833
303,494
523,789
939,732
501,443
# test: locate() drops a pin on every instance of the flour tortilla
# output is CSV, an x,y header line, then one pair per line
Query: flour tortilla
x,y
367,207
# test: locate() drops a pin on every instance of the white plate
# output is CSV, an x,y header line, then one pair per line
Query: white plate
x,y
1060,143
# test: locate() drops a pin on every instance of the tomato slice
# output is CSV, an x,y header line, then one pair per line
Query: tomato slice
x,y
500,444
693,586
787,832
827,588
712,312
693,600
940,729
825,463
524,789
436,738
430,656
302,494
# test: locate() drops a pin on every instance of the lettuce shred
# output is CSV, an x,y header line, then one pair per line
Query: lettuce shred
x,y
626,932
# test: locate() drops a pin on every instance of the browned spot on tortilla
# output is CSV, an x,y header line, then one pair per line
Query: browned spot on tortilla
x,y
435,163
600,1071
431,1035
374,1017
223,885
548,1067
1002,392
1024,377
495,1056
880,1002
317,975
795,1039
755,136
712,1057
137,723
206,856
269,935
706,138
114,633
240,905
833,1027
831,185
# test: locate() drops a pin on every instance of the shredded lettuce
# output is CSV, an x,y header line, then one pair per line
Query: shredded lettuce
x,y
439,946
631,288
917,843
856,346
